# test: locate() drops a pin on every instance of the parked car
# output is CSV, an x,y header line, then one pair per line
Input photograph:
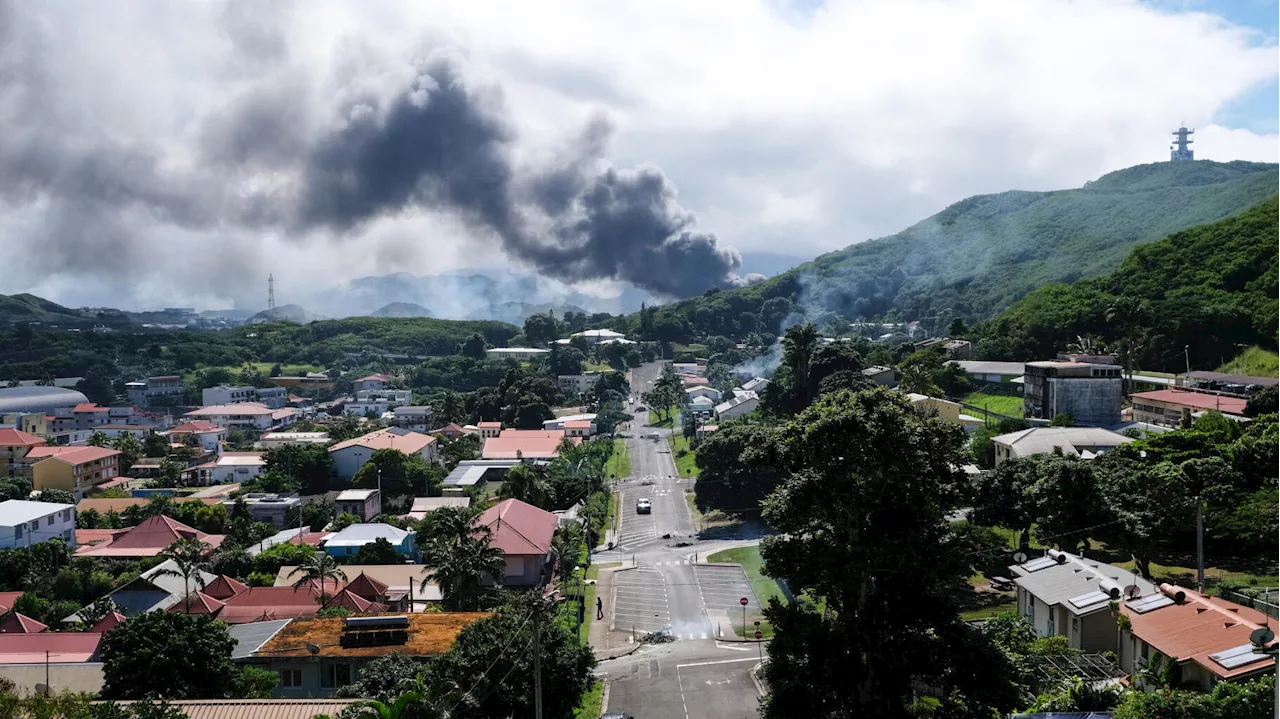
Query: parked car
x,y
643,506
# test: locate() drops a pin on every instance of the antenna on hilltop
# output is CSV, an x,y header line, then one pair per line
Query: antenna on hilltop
x,y
271,292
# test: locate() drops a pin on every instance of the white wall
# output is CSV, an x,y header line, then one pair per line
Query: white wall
x,y
64,529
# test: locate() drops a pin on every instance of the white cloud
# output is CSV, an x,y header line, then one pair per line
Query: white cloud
x,y
854,123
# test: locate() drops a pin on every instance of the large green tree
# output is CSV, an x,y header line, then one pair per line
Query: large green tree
x,y
725,481
862,522
456,555
398,474
168,655
310,465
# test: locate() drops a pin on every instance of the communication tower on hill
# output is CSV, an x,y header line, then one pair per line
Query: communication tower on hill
x,y
1179,151
271,292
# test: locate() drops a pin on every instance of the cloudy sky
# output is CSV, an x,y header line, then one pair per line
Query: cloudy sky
x,y
168,153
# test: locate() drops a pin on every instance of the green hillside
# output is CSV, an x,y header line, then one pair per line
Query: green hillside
x,y
1211,288
1254,362
29,308
984,253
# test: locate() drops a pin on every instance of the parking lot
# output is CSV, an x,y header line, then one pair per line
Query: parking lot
x,y
636,529
640,601
723,588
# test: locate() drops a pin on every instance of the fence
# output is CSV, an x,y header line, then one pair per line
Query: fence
x,y
1245,600
981,412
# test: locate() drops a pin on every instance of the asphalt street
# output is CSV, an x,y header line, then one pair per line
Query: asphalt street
x,y
695,676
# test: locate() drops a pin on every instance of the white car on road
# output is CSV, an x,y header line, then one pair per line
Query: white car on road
x,y
643,506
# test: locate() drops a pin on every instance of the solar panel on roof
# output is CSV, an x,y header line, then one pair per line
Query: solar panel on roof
x,y
1090,599
1036,565
1237,656
1148,603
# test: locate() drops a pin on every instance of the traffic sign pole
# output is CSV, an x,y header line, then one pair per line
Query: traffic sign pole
x,y
744,601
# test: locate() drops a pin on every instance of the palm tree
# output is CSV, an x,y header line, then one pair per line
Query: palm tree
x,y
449,407
527,485
319,567
1128,312
191,557
567,544
798,346
1087,345
459,570
420,700
99,439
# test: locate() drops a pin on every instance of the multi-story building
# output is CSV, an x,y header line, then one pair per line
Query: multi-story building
x,y
24,523
85,415
1090,393
416,418
163,391
266,507
372,383
76,469
36,423
14,446
271,397
363,503
575,384
1168,406
248,416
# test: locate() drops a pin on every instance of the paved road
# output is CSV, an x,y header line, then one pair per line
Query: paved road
x,y
695,676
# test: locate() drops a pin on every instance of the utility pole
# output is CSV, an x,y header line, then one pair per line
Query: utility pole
x,y
537,662
1186,353
1199,545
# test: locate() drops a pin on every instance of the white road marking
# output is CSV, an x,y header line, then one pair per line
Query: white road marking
x,y
718,661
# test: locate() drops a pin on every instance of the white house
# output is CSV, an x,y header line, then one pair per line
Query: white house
x,y
710,393
415,417
372,382
250,416
348,542
577,383
284,439
518,353
273,397
23,523
744,403
350,456
1062,594
363,503
207,435
236,467
1083,442
596,337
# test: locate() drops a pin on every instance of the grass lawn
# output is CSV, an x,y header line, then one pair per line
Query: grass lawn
x,y
655,422
764,587
686,465
596,367
1186,576
997,403
591,704
1255,362
620,463
288,370
988,611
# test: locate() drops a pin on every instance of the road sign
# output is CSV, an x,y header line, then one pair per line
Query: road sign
x,y
759,635
744,601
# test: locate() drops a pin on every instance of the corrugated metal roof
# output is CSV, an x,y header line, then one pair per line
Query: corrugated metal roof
x,y
259,708
252,635
1060,583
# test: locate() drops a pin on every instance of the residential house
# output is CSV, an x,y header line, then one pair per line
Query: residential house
x,y
596,337
247,416
414,417
293,535
489,429
422,506
83,416
259,604
580,428
478,472
1083,442
266,507
700,406
372,383
36,423
450,431
345,645
14,446
377,401
398,586
1062,594
883,376
350,456
163,391
23,523
154,590
688,380
525,444
232,467
710,393
991,372
755,384
256,708
347,542
515,353
78,470
116,431
1168,406
558,423
206,435
271,440
945,409
1208,637
363,503
523,532
1237,384
147,539
740,404
44,649
272,397
575,384
1090,393
102,505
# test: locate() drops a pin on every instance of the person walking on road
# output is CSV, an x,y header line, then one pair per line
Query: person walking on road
x,y
599,608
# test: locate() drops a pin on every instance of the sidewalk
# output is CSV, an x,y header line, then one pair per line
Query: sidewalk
x,y
606,643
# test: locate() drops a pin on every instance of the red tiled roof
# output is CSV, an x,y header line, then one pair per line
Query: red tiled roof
x,y
148,539
108,622
449,430
71,455
377,377
18,438
489,424
201,603
578,424
265,603
195,426
507,447
1197,400
61,647
8,598
519,528
85,537
15,623
367,587
224,587
1198,627
89,407
354,602
408,443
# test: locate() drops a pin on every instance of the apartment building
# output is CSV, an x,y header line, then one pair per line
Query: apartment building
x,y
14,447
271,397
1090,393
24,523
76,469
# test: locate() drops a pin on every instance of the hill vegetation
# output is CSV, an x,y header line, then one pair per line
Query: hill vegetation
x,y
982,254
1210,289
29,308
402,309
1254,362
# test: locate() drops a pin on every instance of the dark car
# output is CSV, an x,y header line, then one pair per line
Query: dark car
x,y
616,715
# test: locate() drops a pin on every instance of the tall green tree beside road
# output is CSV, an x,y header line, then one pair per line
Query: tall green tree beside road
x,y
862,521
169,655
726,481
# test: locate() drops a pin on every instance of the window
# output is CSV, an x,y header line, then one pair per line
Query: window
x,y
1031,609
35,526
335,675
1049,626
48,521
291,678
1075,624
17,531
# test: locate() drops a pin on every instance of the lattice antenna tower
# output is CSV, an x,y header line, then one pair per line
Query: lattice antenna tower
x,y
271,292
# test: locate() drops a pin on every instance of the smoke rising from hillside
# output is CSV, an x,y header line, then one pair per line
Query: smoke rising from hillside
x,y
277,159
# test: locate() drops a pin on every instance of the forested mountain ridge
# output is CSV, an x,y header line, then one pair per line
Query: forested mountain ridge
x,y
1209,289
982,254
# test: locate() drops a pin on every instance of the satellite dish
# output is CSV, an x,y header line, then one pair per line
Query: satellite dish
x,y
1261,636
313,648
1132,591
44,690
1019,557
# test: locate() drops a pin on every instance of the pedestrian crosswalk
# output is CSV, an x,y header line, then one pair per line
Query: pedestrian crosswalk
x,y
671,563
688,636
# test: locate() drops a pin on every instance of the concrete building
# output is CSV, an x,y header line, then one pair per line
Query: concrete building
x,y
363,503
350,456
1168,406
883,376
709,393
739,405
488,430
596,337
206,435
991,372
284,439
1090,393
24,523
574,384
38,399
271,397
372,383
516,353
233,467
247,416
78,470
378,401
579,422
416,418
265,507
163,391
1083,442
348,542
14,446
36,423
